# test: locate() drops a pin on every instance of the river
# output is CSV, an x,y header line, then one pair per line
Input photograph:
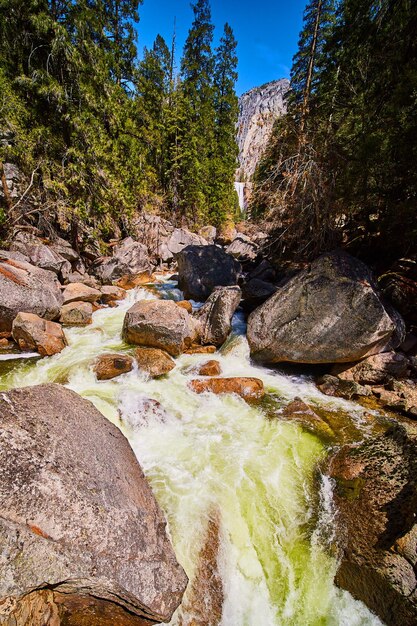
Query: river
x,y
215,459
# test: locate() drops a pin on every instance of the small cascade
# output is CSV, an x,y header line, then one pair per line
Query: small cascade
x,y
240,190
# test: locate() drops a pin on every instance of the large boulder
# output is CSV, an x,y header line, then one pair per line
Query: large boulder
x,y
31,332
152,231
26,288
41,255
80,531
215,316
76,314
178,240
130,259
160,324
328,313
376,503
202,268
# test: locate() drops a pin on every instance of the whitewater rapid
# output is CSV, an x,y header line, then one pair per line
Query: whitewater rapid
x,y
215,457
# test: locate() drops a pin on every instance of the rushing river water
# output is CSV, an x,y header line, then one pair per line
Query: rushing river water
x,y
215,458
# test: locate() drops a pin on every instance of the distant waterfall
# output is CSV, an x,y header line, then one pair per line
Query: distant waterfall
x,y
240,190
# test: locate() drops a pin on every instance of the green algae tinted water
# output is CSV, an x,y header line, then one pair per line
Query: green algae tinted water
x,y
208,455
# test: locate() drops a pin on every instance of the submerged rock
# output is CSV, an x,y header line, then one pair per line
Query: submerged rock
x,y
111,294
250,389
29,289
31,332
300,411
376,500
81,533
160,324
108,366
76,314
154,361
202,268
215,316
210,368
329,313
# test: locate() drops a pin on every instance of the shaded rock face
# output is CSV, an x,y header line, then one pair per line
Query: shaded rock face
x,y
78,517
329,313
250,389
108,366
202,268
31,332
259,108
29,289
255,292
376,499
215,316
159,324
242,248
130,258
154,361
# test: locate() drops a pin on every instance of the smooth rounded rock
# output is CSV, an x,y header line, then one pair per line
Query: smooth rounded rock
x,y
31,332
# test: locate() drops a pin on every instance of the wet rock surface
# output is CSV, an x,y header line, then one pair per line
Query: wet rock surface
x,y
78,519
108,366
154,361
376,500
31,332
250,389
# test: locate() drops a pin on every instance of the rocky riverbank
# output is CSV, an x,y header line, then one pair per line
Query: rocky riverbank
x,y
330,315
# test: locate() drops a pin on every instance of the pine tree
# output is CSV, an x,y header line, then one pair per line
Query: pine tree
x,y
198,142
223,196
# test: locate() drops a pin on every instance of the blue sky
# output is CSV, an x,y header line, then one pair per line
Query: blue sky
x,y
267,33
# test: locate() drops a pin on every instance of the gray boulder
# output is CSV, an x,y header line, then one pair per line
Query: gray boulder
x,y
178,240
40,254
160,324
202,268
29,289
130,258
80,531
242,248
328,313
215,316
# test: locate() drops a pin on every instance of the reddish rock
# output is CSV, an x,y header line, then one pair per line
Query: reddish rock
x,y
130,281
197,349
154,361
31,332
210,368
300,411
109,366
76,314
78,292
250,389
185,304
112,293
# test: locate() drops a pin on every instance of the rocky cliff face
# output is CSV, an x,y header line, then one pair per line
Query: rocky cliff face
x,y
258,110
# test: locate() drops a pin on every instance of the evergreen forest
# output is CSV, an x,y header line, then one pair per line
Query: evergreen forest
x,y
102,135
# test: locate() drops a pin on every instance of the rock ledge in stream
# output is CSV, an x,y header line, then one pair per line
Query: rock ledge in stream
x,y
79,525
250,389
376,500
329,313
